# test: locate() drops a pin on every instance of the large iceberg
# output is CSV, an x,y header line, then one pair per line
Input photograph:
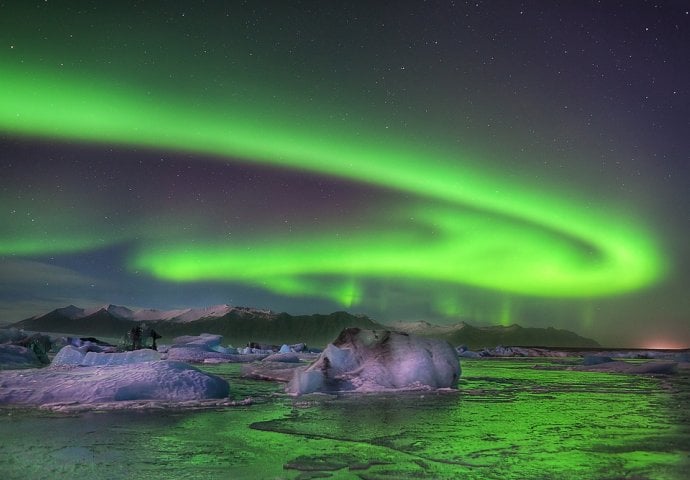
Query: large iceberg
x,y
160,380
379,360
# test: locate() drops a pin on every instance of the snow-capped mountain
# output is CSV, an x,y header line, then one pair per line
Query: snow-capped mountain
x,y
115,310
426,328
69,311
237,324
182,315
192,314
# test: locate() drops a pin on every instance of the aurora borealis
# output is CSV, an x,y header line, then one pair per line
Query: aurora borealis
x,y
493,163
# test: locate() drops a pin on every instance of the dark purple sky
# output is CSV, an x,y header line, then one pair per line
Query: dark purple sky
x,y
493,162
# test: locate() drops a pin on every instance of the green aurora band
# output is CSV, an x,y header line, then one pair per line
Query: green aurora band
x,y
488,233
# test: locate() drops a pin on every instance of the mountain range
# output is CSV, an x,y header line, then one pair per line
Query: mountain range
x,y
512,335
240,325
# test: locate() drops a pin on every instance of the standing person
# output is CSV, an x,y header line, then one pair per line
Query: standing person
x,y
135,334
155,336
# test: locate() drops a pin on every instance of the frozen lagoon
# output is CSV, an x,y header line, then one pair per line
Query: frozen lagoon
x,y
507,420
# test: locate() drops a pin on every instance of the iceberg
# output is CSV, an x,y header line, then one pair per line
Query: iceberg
x,y
207,340
70,355
283,358
11,335
89,344
16,356
379,360
206,348
159,380
23,349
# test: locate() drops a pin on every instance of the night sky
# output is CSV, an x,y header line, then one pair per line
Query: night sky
x,y
493,162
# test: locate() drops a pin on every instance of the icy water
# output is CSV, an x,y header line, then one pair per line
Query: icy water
x,y
508,420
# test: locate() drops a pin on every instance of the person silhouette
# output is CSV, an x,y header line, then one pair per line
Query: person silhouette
x,y
135,335
155,336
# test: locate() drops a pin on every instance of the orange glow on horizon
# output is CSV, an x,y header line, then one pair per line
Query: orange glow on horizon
x,y
664,344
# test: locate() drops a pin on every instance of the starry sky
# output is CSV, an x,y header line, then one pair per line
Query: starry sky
x,y
492,162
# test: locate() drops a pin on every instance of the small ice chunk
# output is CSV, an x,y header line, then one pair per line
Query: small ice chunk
x,y
283,358
201,348
221,349
595,359
469,354
208,339
298,347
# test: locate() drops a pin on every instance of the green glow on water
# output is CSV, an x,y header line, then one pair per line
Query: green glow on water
x,y
482,230
508,420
